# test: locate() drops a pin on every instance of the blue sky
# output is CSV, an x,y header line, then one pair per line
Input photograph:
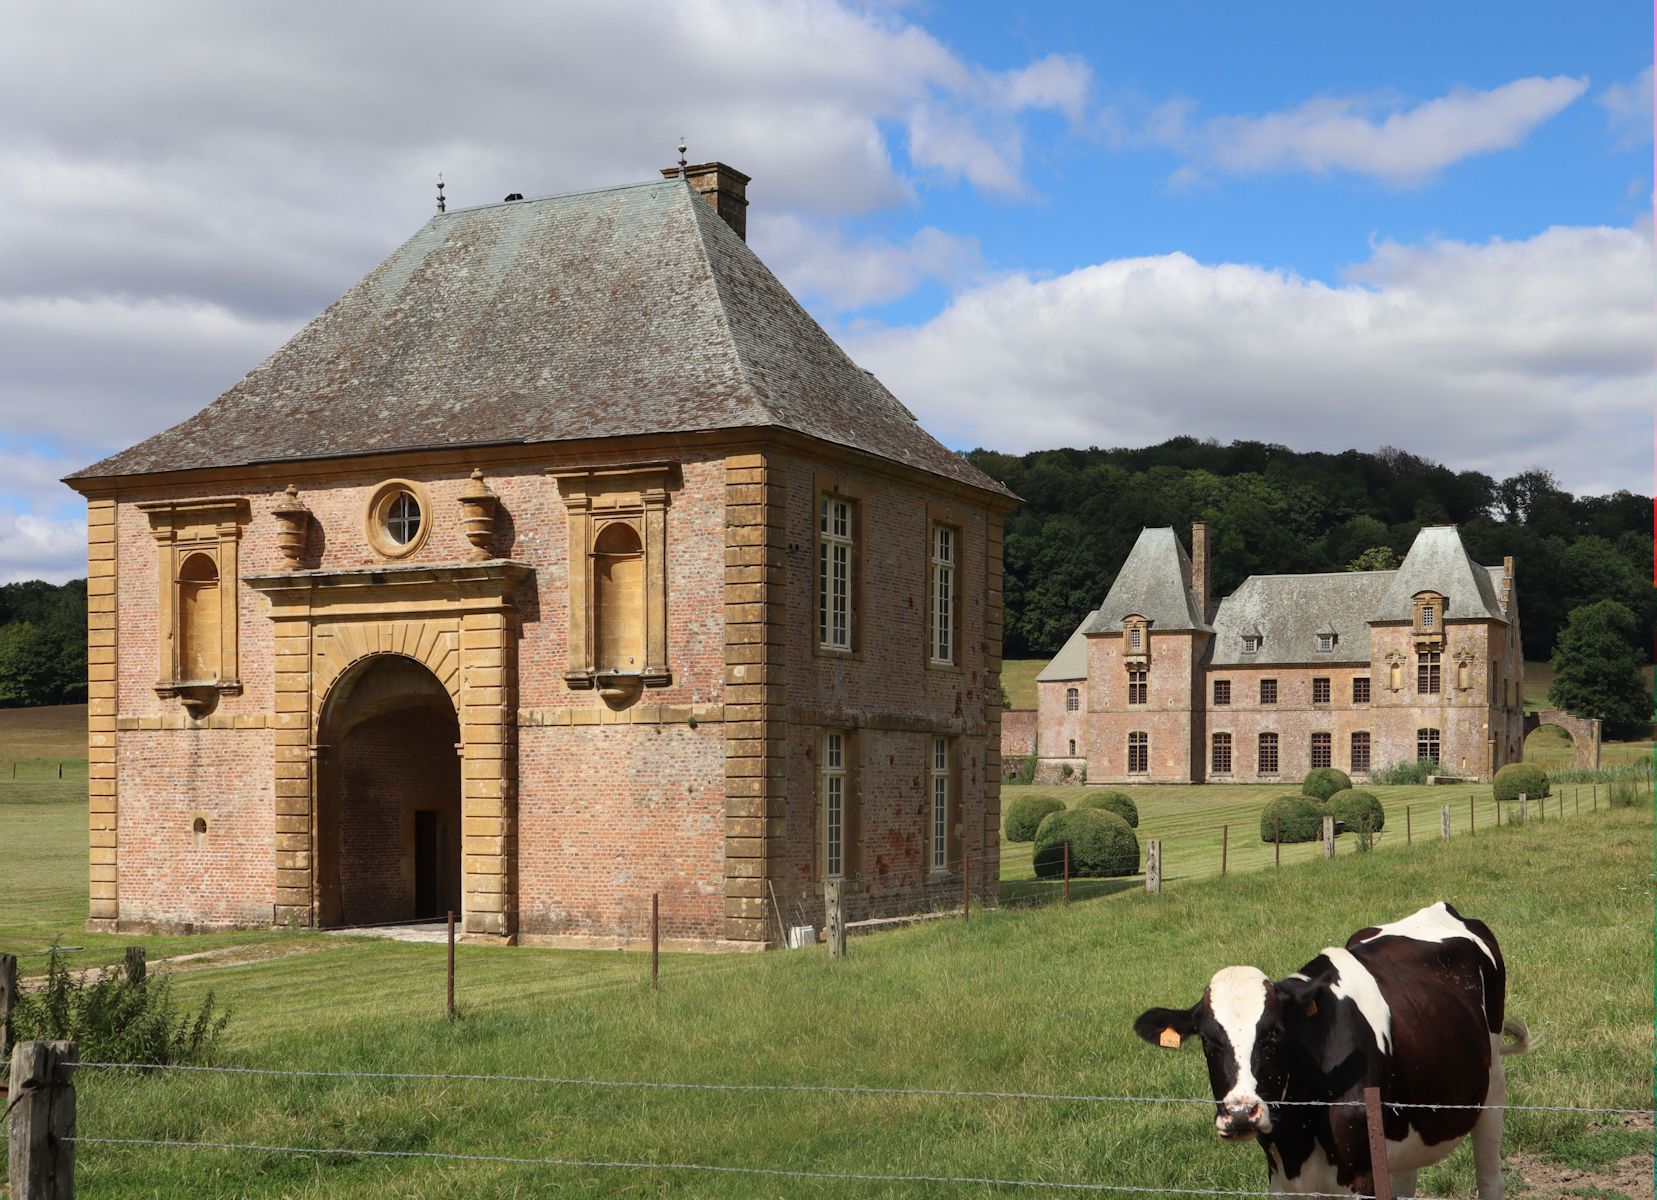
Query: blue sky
x,y
1328,226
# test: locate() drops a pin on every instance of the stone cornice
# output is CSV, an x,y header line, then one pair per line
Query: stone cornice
x,y
288,586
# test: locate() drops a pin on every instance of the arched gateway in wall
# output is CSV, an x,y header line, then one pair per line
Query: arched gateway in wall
x,y
1583,732
372,664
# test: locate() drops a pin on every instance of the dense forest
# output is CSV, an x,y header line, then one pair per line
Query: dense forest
x,y
1273,510
42,643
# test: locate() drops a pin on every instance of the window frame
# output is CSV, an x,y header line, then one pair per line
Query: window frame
x,y
1268,685
828,542
1139,686
1222,693
1139,746
943,782
1267,738
836,780
1352,750
1326,643
1360,689
1322,747
943,604
1252,643
1429,743
377,518
1322,689
1429,673
1072,699
1215,746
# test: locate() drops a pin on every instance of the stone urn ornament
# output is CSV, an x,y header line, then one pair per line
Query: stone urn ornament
x,y
477,509
292,528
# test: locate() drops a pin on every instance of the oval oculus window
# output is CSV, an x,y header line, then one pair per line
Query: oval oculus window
x,y
402,518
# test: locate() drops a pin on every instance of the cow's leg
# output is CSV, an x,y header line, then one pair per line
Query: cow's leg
x,y
1403,1183
1487,1133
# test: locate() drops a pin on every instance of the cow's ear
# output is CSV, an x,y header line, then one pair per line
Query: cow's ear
x,y
1299,998
1166,1027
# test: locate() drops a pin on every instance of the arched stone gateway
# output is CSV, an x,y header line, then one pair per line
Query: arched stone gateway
x,y
388,796
385,658
1583,731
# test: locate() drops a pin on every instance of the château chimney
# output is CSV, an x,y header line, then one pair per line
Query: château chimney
x,y
724,188
1199,570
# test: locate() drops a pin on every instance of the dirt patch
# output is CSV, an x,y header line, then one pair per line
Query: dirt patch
x,y
1537,1179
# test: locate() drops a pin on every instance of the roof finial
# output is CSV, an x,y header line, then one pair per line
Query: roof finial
x,y
683,162
441,206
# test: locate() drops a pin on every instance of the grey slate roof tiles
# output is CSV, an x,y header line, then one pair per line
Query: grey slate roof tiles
x,y
1071,660
1287,612
1155,583
628,310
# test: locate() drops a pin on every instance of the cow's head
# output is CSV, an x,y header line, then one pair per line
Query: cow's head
x,y
1251,1031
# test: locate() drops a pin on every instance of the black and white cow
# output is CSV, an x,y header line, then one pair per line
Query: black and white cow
x,y
1414,1008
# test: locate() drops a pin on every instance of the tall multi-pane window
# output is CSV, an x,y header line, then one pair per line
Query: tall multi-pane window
x,y
1222,691
1268,754
944,541
1072,747
1219,759
1268,691
1428,616
1360,690
1320,691
1360,751
833,799
834,575
1139,753
940,804
1072,699
1427,678
1136,638
1322,750
1426,744
1138,686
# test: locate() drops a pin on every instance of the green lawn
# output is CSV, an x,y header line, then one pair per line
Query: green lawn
x,y
1018,676
1018,1000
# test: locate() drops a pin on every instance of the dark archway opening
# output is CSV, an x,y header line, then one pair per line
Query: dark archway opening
x,y
388,828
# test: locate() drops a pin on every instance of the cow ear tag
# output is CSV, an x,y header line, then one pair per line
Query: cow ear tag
x,y
1170,1039
1311,1008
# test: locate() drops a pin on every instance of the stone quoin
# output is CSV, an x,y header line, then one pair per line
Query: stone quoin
x,y
562,561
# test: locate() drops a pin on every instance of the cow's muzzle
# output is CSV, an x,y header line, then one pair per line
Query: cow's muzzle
x,y
1238,1121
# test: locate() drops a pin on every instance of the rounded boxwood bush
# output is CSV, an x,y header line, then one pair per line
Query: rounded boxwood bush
x,y
1521,777
1323,782
1101,844
1025,814
1119,803
1353,807
1301,819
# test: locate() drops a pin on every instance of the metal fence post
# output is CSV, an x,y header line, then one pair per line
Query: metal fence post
x,y
1225,846
1153,865
1409,833
655,937
1067,872
1378,1168
451,1008
42,1100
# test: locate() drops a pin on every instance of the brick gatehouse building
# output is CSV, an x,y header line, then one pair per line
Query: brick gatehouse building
x,y
1354,670
561,561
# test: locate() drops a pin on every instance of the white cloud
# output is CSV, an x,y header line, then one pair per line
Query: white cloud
x,y
39,547
1401,147
823,267
1628,107
1477,354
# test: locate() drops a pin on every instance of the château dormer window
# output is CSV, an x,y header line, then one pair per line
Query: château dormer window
x,y
1252,643
1136,639
1326,643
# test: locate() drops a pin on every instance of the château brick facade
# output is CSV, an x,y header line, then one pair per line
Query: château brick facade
x,y
1355,670
507,586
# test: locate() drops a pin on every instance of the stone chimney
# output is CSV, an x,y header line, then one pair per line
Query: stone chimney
x,y
724,188
1199,570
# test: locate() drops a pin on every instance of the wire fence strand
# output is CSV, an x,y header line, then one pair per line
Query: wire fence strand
x,y
709,1168
851,1089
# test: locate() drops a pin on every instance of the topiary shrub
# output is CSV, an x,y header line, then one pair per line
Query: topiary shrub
x,y
1299,817
1101,844
1352,807
1323,782
1520,777
1119,803
1025,814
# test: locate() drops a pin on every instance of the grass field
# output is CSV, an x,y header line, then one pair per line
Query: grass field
x,y
1037,1001
1018,676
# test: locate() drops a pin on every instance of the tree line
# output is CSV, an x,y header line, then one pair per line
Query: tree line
x,y
1272,510
42,643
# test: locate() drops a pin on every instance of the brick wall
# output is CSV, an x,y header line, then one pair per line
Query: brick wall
x,y
1018,733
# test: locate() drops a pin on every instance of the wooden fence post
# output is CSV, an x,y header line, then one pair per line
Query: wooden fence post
x,y
1153,865
43,1120
1378,1168
1329,837
1472,813
1409,833
1444,823
8,997
1225,846
655,937
834,920
136,966
1524,808
966,889
1066,872
1595,796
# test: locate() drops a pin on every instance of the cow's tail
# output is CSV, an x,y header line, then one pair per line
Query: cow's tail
x,y
1521,1042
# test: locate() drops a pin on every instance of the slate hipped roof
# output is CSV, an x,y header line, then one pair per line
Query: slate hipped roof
x,y
1155,583
1287,612
627,310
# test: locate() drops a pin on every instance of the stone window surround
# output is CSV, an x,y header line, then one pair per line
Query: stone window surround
x,y
376,518
1219,761
182,528
1072,699
636,495
829,485
1267,741
850,817
950,777
939,516
1139,748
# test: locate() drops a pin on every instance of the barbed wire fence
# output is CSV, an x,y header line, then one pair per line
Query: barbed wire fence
x,y
43,1082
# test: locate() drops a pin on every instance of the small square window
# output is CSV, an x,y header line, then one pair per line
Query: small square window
x,y
1326,642
1268,691
1320,691
1222,691
1251,643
